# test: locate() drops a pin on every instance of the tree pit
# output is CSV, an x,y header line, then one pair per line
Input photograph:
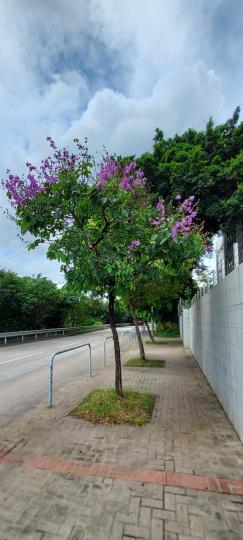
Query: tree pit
x,y
106,407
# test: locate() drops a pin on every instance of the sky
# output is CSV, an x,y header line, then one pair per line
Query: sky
x,y
112,71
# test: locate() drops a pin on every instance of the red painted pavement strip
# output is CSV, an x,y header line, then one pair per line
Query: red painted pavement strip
x,y
117,472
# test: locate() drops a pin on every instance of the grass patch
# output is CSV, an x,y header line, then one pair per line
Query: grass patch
x,y
137,362
167,332
105,407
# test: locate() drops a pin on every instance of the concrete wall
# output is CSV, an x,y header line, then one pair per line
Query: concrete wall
x,y
213,329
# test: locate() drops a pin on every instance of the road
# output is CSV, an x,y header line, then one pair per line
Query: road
x,y
24,373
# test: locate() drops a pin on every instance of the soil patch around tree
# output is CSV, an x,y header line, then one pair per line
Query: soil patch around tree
x,y
154,363
106,407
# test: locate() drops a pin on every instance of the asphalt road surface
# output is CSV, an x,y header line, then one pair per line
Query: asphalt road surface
x,y
24,369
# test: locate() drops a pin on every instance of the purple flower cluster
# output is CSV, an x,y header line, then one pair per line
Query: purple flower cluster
x,y
129,177
63,160
160,207
108,170
134,244
27,187
132,177
21,189
183,226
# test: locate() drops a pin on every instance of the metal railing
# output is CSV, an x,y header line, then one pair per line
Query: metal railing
x,y
229,260
104,349
131,336
50,367
240,247
22,333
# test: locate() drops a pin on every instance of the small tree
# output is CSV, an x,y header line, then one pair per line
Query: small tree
x,y
102,228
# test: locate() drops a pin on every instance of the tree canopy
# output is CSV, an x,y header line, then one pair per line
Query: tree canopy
x,y
207,164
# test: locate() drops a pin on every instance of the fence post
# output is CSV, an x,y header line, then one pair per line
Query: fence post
x,y
50,382
90,361
236,254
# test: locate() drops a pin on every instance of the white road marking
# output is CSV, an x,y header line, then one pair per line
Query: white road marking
x,y
73,343
20,358
41,352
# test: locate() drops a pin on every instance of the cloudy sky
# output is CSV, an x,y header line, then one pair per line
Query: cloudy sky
x,y
111,70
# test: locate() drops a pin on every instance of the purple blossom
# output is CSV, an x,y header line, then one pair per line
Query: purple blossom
x,y
129,176
183,226
28,186
154,221
129,167
134,244
160,207
132,177
178,197
108,170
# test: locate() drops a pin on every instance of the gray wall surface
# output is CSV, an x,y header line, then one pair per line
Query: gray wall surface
x,y
213,329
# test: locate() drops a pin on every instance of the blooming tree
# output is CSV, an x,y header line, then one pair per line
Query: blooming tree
x,y
101,226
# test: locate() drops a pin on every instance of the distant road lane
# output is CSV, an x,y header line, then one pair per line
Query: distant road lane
x,y
24,373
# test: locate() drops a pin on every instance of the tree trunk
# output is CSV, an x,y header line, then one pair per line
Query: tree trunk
x,y
149,332
118,373
140,342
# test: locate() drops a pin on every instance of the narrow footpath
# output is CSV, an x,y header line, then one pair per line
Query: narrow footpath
x,y
178,478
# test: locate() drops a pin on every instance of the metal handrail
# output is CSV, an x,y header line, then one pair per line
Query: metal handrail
x,y
130,332
23,333
125,332
50,367
104,350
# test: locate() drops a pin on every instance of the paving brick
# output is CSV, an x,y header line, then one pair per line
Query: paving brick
x,y
163,514
31,536
175,490
117,531
77,533
170,536
145,516
137,532
170,502
197,525
182,513
173,527
186,537
152,503
66,527
126,517
157,529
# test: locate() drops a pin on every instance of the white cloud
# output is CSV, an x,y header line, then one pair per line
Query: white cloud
x,y
126,124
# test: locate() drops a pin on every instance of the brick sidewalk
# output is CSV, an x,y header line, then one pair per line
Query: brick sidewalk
x,y
178,478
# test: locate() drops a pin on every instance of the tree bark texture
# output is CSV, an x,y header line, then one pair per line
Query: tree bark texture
x,y
140,341
118,372
149,332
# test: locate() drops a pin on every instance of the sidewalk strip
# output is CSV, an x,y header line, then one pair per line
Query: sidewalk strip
x,y
212,484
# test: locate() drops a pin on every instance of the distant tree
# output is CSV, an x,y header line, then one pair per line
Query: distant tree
x,y
12,301
43,307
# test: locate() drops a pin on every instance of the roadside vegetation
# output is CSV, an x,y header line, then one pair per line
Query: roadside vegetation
x,y
36,302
